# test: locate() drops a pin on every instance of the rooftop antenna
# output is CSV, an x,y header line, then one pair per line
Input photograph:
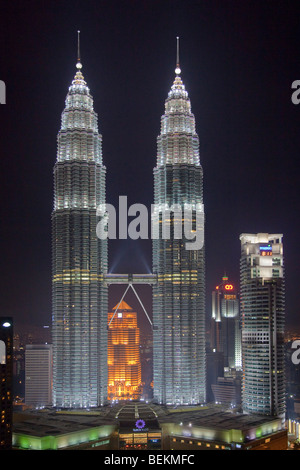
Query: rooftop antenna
x,y
79,64
177,70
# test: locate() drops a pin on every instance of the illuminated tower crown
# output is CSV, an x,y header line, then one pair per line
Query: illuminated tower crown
x,y
178,141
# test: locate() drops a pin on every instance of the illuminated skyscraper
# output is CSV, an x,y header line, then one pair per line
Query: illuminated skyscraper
x,y
178,296
225,324
124,364
79,257
263,316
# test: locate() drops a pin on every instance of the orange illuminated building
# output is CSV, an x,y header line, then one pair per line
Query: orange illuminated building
x,y
124,364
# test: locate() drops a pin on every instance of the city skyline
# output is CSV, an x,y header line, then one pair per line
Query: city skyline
x,y
245,118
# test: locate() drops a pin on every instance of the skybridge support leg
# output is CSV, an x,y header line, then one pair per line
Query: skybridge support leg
x,y
142,305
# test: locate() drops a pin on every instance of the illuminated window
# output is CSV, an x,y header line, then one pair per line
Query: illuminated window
x,y
2,352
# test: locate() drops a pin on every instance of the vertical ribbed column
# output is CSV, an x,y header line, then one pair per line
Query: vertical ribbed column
x,y
79,258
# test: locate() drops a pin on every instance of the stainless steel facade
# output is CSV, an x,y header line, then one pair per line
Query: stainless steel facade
x,y
178,296
79,257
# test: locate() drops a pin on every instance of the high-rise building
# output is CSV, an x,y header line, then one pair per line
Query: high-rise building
x,y
227,390
225,323
262,302
124,363
178,296
6,382
38,375
79,257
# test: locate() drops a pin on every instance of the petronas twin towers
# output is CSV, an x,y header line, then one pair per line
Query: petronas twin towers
x,y
80,261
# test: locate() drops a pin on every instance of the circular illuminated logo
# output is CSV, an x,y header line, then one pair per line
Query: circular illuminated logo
x,y
229,287
140,424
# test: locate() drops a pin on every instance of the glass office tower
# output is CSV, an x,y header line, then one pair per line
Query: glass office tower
x,y
79,257
38,375
225,323
178,296
262,303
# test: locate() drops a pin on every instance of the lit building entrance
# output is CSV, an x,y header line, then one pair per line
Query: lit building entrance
x,y
138,427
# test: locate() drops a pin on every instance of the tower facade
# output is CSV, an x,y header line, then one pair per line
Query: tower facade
x,y
178,296
262,314
79,257
225,323
124,363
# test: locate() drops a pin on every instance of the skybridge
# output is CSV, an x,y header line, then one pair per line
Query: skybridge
x,y
130,279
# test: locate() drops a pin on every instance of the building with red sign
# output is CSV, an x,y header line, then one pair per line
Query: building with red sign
x,y
225,324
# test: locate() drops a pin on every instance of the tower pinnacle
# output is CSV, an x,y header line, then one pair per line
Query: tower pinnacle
x,y
177,70
79,64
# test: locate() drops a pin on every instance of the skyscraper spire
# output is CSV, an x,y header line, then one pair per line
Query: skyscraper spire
x,y
177,70
178,142
79,64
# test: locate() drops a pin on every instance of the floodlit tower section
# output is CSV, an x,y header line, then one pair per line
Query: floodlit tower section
x,y
178,296
263,316
79,257
124,363
225,323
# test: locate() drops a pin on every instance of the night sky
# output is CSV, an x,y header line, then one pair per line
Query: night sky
x,y
238,61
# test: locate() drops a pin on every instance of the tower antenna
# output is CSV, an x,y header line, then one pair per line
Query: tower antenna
x,y
78,46
177,70
79,64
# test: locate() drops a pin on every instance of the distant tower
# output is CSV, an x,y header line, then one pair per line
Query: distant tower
x,y
225,324
6,380
178,297
38,375
263,315
79,257
124,364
